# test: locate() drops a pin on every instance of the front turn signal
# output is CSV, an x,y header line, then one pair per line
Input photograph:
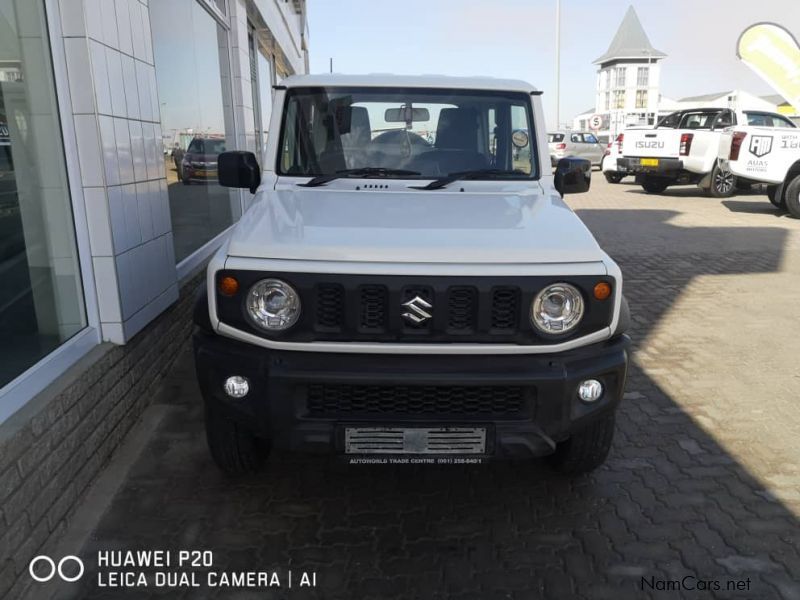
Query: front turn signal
x,y
602,291
228,286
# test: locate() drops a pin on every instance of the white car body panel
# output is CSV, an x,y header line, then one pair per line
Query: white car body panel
x,y
766,155
444,226
665,143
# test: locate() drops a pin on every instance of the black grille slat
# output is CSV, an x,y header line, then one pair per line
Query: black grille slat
x,y
505,308
330,306
373,308
462,309
415,400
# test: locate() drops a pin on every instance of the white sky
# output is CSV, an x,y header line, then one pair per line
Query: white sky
x,y
516,38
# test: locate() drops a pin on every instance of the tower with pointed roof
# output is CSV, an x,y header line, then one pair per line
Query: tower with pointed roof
x,y
628,78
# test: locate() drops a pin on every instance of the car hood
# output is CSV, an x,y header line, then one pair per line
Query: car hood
x,y
440,226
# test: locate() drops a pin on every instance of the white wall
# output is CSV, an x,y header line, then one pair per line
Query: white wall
x,y
115,110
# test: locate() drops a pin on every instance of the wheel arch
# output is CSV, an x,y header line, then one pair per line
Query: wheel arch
x,y
794,171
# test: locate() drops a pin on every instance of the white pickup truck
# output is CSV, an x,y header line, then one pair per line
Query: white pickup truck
x,y
683,148
766,155
409,285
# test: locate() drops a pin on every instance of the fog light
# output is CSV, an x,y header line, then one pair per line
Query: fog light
x,y
590,390
237,386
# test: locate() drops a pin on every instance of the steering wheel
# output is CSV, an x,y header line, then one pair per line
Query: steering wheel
x,y
406,140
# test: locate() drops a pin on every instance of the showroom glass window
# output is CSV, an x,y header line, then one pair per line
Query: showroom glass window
x,y
266,75
192,70
41,299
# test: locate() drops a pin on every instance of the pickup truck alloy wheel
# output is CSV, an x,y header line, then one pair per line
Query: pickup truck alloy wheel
x,y
614,177
793,197
723,182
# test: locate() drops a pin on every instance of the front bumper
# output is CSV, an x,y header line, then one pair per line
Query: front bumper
x,y
666,166
282,407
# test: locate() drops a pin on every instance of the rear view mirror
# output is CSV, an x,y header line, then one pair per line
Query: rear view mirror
x,y
238,169
406,114
573,176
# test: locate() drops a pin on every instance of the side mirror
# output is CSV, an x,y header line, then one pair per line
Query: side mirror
x,y
238,169
573,176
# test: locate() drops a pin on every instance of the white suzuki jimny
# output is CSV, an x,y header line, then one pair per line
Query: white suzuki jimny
x,y
409,286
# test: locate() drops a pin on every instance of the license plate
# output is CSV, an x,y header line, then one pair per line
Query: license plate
x,y
649,162
415,440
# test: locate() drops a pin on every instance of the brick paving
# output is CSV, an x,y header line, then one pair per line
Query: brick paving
x,y
703,480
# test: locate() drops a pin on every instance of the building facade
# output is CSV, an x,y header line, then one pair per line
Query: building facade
x,y
112,113
628,79
628,92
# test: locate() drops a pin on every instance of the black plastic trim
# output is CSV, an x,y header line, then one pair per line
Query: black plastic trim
x,y
232,311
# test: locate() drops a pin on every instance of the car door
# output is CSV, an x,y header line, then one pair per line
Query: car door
x,y
576,146
594,150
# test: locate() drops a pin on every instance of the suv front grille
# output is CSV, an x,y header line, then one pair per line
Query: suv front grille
x,y
418,309
417,400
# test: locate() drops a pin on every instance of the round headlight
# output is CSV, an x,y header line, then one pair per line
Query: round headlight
x,y
557,309
273,304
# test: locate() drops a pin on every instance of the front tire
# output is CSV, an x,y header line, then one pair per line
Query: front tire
x,y
792,197
614,177
723,182
235,449
654,185
586,449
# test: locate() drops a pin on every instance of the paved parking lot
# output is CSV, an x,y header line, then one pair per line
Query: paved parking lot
x,y
703,481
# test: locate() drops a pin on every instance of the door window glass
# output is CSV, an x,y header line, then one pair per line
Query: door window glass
x,y
41,298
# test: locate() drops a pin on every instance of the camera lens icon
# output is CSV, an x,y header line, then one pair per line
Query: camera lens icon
x,y
53,568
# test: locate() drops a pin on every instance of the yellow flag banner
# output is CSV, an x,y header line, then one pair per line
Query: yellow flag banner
x,y
772,52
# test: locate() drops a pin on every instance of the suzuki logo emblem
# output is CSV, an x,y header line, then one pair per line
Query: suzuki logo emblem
x,y
417,310
760,145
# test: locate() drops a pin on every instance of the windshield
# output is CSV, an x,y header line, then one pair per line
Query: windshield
x,y
431,132
206,146
698,120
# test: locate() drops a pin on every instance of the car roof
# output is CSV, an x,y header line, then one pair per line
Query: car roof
x,y
422,81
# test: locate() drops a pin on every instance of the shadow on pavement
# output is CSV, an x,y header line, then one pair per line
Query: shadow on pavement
x,y
692,191
763,207
671,502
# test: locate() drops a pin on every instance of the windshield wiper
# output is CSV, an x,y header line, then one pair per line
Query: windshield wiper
x,y
362,172
475,174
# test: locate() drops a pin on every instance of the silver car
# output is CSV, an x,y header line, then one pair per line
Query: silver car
x,y
581,144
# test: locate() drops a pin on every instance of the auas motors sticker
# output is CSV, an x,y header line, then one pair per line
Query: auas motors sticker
x,y
760,145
